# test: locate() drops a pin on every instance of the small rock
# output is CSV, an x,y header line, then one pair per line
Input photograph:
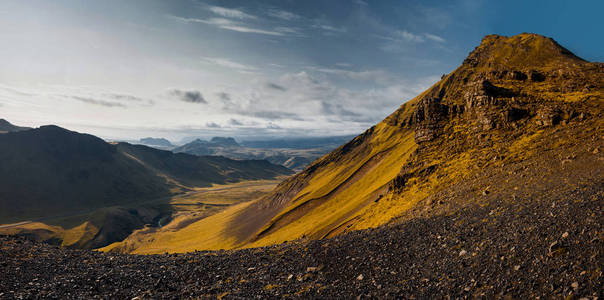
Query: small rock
x,y
360,277
565,235
596,151
575,285
463,252
290,277
251,269
516,267
555,248
311,269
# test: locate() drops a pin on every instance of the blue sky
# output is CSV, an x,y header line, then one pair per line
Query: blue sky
x,y
129,69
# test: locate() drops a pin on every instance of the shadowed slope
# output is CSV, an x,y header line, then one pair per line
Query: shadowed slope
x,y
50,171
6,126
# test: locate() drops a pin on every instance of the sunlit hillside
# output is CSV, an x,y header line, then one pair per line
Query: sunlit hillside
x,y
511,100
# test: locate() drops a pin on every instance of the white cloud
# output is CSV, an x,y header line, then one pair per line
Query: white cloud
x,y
434,37
93,101
304,100
228,25
230,12
214,21
331,28
287,30
283,15
399,40
408,36
223,62
378,76
344,65
250,30
328,28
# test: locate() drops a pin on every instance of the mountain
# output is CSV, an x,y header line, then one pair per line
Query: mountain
x,y
299,143
6,126
294,154
156,142
51,171
201,147
224,141
519,122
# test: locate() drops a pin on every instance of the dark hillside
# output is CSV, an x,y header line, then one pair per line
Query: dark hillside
x,y
6,126
51,171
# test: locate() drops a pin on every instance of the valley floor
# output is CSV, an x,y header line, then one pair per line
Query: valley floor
x,y
81,230
548,247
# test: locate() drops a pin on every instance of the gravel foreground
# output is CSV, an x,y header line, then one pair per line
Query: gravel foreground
x,y
520,249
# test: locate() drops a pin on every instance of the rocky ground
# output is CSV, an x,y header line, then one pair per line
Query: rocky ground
x,y
499,249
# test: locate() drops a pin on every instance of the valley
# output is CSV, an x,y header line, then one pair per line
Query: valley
x,y
85,229
79,191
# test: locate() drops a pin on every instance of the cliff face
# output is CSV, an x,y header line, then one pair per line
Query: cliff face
x,y
514,100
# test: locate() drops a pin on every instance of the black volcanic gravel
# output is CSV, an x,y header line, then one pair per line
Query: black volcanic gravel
x,y
520,249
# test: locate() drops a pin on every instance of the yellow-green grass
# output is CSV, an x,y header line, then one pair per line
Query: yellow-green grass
x,y
69,237
200,220
346,204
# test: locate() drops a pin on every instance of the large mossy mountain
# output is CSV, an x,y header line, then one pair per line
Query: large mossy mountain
x,y
50,171
520,118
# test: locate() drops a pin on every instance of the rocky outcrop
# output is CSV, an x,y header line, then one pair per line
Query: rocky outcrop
x,y
428,115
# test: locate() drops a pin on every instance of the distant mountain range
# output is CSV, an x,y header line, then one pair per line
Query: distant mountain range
x,y
6,126
299,143
294,154
156,142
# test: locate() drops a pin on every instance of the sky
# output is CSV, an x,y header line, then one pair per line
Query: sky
x,y
127,69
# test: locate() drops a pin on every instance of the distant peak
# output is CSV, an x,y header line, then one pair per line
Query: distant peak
x,y
6,126
522,51
156,141
224,141
52,127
